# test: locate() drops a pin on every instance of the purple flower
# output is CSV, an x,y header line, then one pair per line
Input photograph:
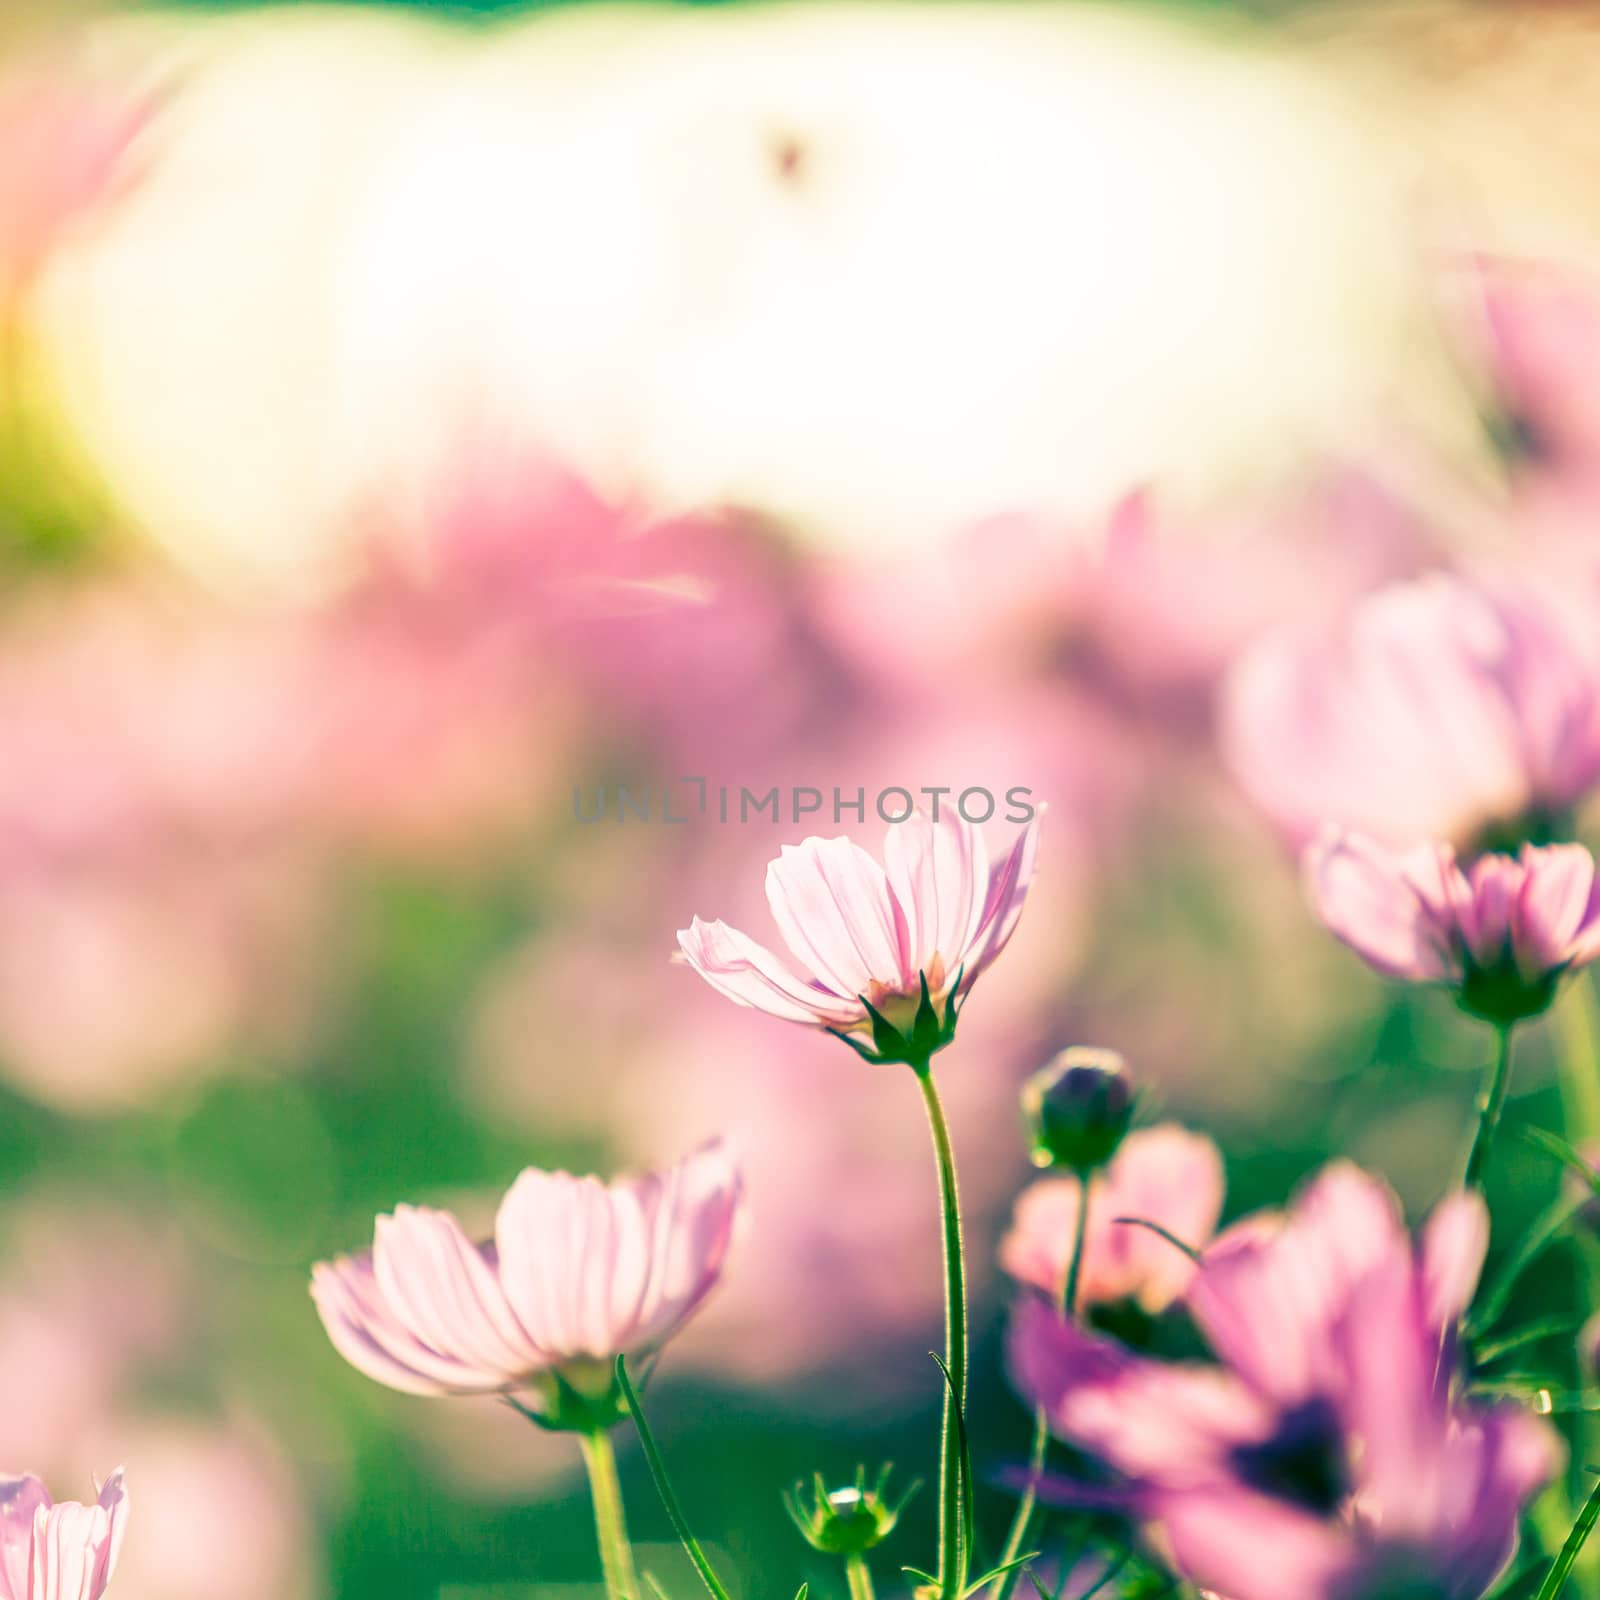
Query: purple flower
x,y
1440,709
1500,932
64,1551
1329,1454
578,1273
864,937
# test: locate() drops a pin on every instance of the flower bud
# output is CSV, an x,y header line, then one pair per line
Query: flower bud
x,y
1078,1109
849,1521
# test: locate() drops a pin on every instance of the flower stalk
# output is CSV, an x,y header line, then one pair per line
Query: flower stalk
x,y
611,1529
953,1552
1068,1304
1491,1103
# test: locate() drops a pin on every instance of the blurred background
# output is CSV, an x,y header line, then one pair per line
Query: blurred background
x,y
417,426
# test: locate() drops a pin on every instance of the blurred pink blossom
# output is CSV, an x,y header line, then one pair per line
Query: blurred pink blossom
x,y
1331,1452
578,1273
1165,1175
65,141
862,934
214,1496
1500,931
63,1550
1436,710
1538,338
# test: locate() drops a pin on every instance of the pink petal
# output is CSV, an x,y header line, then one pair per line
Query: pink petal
x,y
1250,1547
1270,1305
751,975
440,1288
1374,900
1146,1418
372,1339
939,872
1555,907
1454,1244
1009,882
20,1498
837,914
594,1271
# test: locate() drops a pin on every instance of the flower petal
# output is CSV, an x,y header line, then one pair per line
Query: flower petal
x,y
939,872
751,975
833,904
1384,906
443,1291
373,1340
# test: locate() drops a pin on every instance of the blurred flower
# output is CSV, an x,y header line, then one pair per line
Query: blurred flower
x,y
1078,1108
578,1273
213,1497
64,143
1444,708
1500,932
1540,344
1330,1454
65,1551
872,943
1164,1175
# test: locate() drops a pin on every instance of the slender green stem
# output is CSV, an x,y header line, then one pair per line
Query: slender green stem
x,y
1491,1102
1555,1581
860,1579
953,1552
1068,1304
658,1471
616,1556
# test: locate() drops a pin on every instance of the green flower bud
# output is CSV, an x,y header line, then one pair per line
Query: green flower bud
x,y
849,1521
1078,1109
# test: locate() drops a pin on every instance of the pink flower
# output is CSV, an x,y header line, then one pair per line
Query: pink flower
x,y
59,1552
578,1273
864,938
1163,1174
1330,1453
1540,334
1439,709
1501,932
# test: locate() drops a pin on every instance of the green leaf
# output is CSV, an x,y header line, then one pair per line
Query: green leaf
x,y
1160,1232
999,1572
1554,1145
1546,1229
1556,1580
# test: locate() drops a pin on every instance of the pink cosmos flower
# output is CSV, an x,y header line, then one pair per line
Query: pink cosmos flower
x,y
1330,1453
1164,1174
578,1273
864,937
1439,709
59,1552
1501,931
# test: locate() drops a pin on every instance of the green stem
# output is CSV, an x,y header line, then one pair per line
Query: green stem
x,y
669,1500
616,1556
1068,1305
1587,1517
860,1579
1491,1102
953,1552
